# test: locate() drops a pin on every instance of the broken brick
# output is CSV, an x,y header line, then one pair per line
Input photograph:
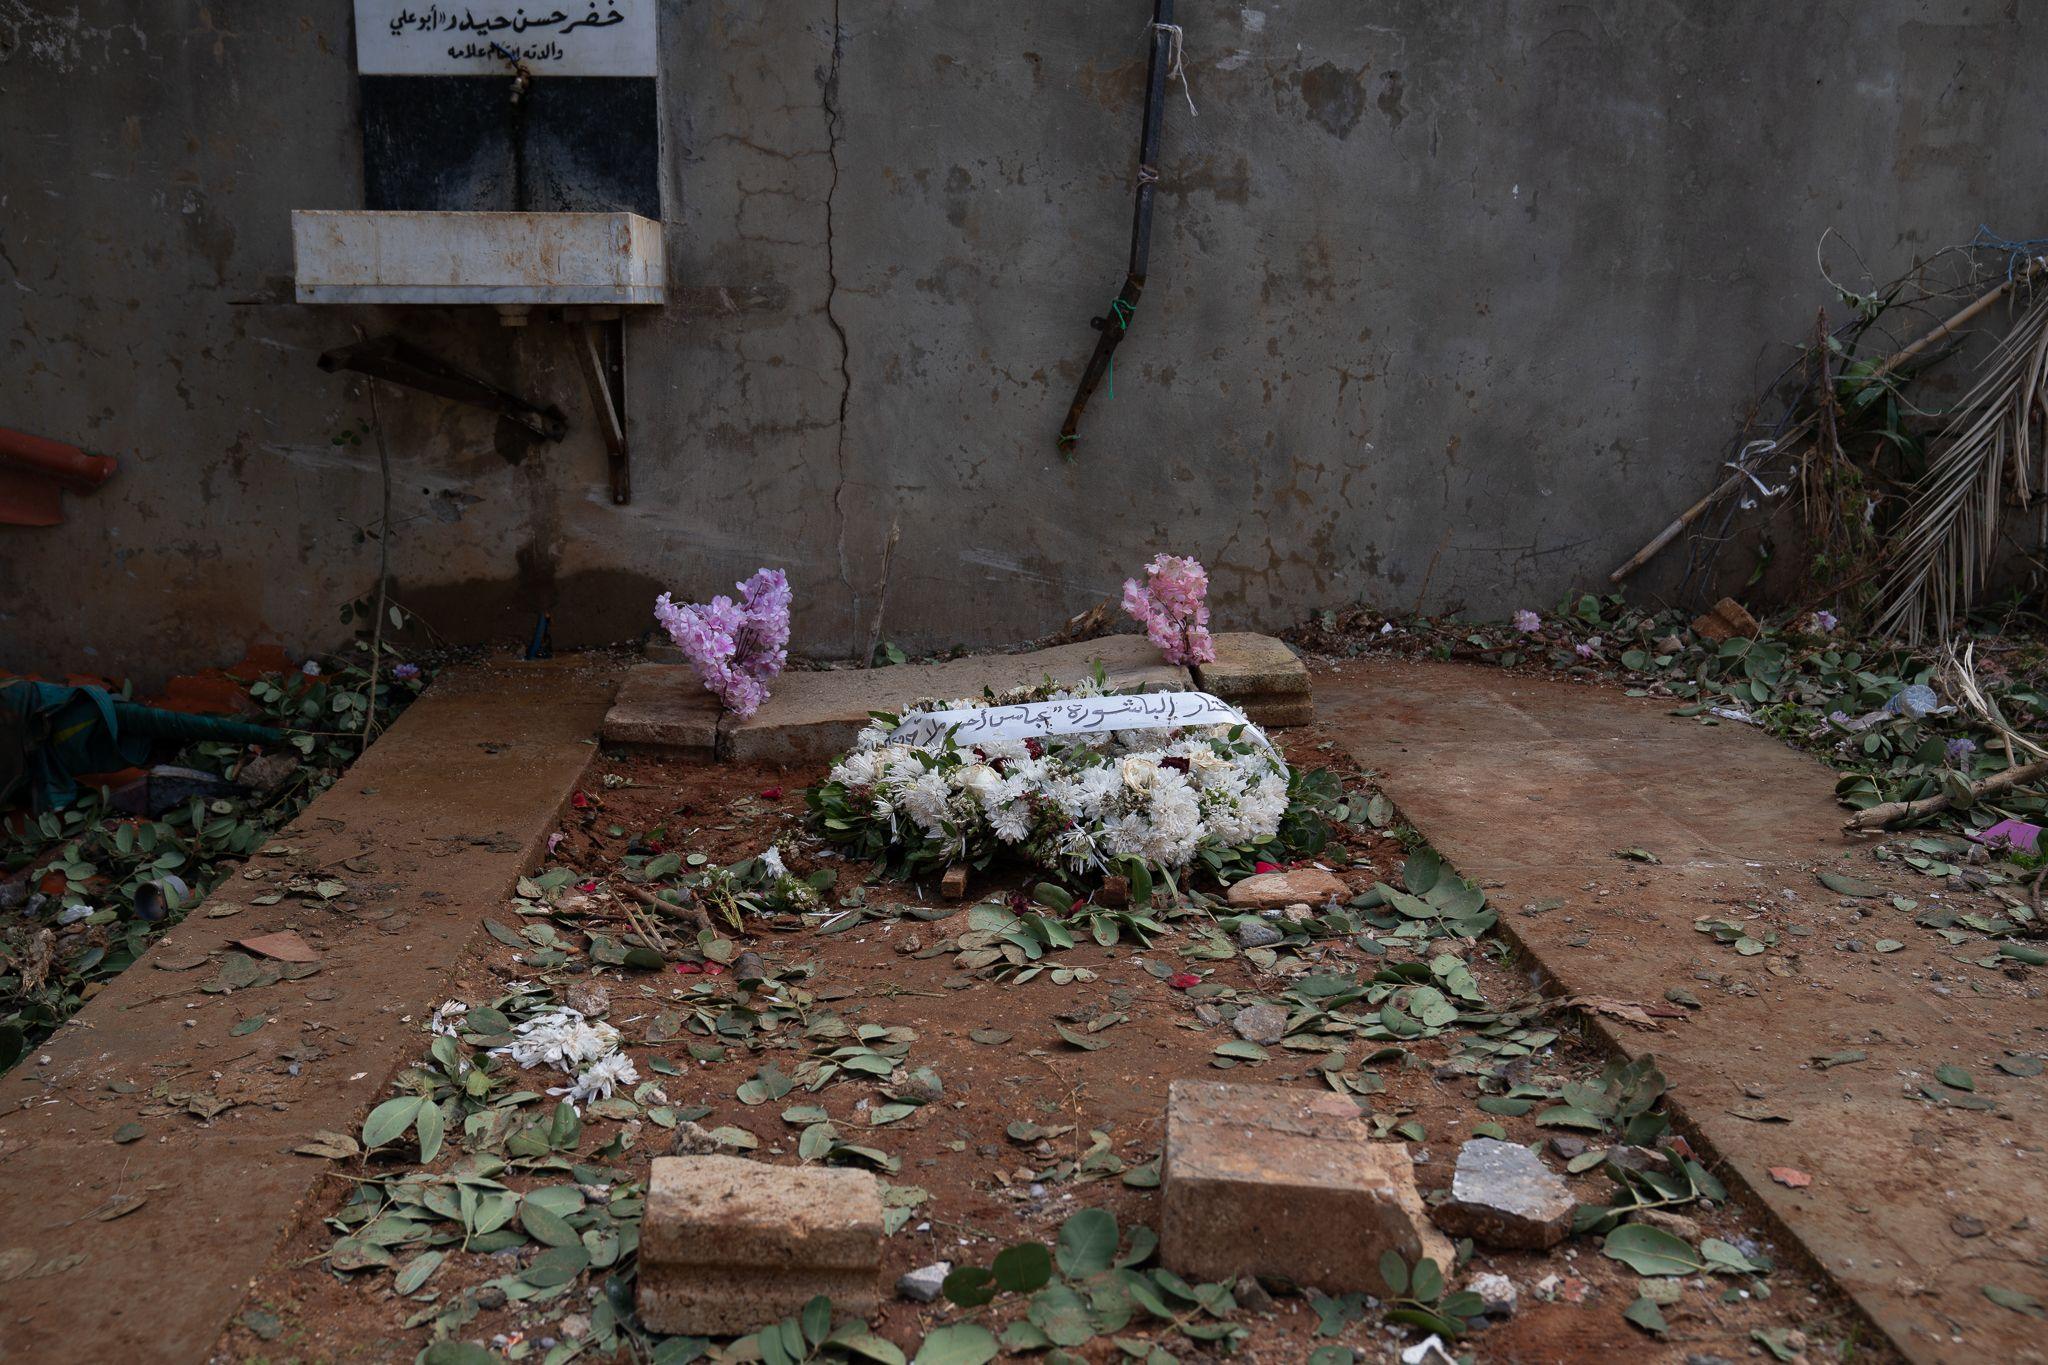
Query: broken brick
x,y
1285,1184
727,1244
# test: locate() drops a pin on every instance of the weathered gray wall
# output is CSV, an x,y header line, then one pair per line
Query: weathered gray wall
x,y
1489,278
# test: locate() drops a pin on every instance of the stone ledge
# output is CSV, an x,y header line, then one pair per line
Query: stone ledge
x,y
813,716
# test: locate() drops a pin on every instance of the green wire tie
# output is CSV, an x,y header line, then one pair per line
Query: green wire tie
x,y
1121,311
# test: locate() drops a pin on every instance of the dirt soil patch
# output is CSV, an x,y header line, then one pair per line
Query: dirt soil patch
x,y
1032,1126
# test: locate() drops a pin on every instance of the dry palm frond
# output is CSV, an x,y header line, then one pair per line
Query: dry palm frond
x,y
1960,674
1944,544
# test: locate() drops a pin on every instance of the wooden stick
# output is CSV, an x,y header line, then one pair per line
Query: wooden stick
x,y
1728,485
690,911
1670,533
1892,811
882,596
1969,311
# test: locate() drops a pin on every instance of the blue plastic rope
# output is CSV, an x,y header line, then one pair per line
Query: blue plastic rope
x,y
2016,251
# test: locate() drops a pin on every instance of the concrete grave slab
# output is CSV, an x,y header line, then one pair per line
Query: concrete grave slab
x,y
1262,677
728,1243
428,832
1529,784
813,716
663,706
1284,1183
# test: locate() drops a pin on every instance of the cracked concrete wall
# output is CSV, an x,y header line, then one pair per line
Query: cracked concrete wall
x,y
1475,286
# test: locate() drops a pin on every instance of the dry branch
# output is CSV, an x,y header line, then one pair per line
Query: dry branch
x,y
1891,812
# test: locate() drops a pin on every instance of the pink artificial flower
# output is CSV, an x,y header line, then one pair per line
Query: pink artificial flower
x,y
735,647
1172,605
1528,622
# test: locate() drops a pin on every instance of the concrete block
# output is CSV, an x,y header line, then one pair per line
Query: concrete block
x,y
727,1244
665,707
1283,1183
1250,665
812,717
1277,710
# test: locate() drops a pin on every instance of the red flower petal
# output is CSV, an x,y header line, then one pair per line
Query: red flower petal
x,y
714,969
1265,867
687,969
586,887
1180,981
579,800
772,794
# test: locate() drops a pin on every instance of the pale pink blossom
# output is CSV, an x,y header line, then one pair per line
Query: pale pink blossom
x,y
736,647
1172,605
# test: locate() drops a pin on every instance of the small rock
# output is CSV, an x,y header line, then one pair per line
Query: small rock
x,y
1298,913
1642,1158
911,944
268,772
1568,1147
1251,1295
490,1296
748,966
1503,1195
1727,620
1252,933
921,1086
692,1139
1271,890
1677,1224
923,1284
589,998
1496,1294
953,886
1261,1024
576,1326
1670,644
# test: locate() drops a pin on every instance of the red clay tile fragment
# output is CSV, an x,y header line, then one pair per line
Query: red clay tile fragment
x,y
284,945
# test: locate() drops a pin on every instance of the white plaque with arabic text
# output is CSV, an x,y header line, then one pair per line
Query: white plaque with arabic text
x,y
394,38
1074,716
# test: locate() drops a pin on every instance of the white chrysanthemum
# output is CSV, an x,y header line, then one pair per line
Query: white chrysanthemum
x,y
871,736
899,763
926,800
857,769
1011,823
559,1037
600,1078
771,859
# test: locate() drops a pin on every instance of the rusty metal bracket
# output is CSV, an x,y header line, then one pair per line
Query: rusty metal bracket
x,y
397,361
601,353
